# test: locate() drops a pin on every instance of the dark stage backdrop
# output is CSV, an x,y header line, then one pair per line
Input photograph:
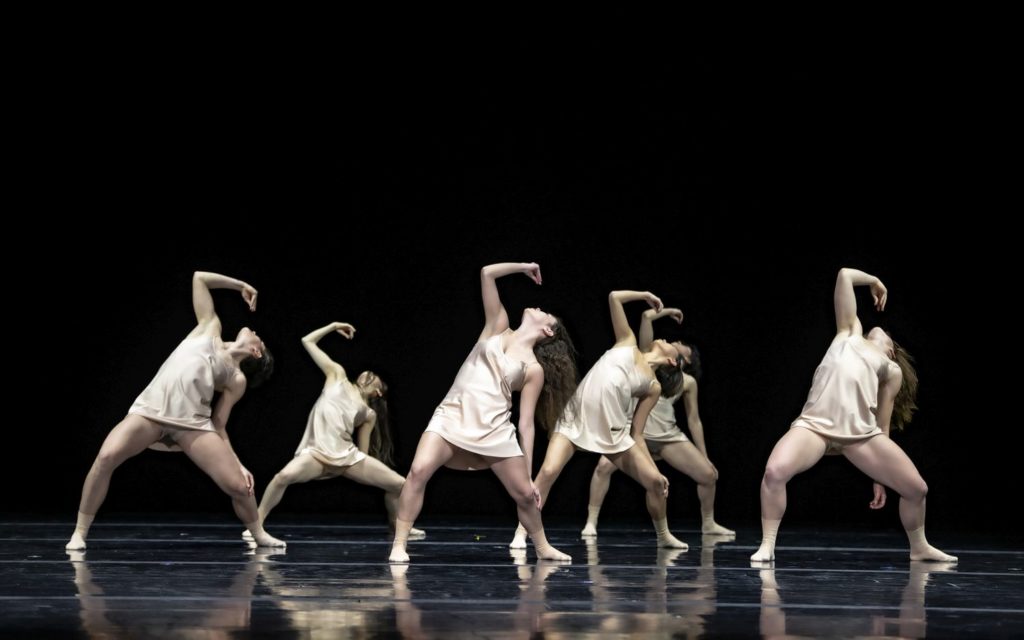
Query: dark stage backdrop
x,y
732,183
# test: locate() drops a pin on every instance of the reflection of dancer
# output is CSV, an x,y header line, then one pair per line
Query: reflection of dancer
x,y
472,427
347,433
664,439
598,417
174,412
911,623
862,385
226,614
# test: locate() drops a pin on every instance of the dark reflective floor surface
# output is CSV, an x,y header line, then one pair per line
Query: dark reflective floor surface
x,y
159,577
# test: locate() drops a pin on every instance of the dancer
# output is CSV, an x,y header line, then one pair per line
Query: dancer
x,y
665,440
471,428
598,418
344,412
174,412
861,388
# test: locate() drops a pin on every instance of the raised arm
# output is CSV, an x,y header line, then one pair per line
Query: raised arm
x,y
331,369
846,301
623,334
495,316
646,336
207,322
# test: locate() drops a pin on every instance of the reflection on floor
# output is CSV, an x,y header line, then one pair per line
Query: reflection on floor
x,y
162,577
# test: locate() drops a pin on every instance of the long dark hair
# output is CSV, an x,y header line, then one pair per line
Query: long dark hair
x,y
257,370
693,366
670,377
557,356
381,445
905,403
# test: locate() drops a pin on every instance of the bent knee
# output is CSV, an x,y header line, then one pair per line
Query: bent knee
x,y
236,488
916,491
605,467
776,474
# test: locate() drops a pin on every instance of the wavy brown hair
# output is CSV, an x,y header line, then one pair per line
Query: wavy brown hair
x,y
905,403
382,446
557,356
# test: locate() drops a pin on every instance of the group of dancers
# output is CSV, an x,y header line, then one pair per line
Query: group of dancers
x,y
622,409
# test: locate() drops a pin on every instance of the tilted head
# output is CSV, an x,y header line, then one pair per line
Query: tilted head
x,y
371,386
535,317
375,391
883,341
691,358
258,366
668,367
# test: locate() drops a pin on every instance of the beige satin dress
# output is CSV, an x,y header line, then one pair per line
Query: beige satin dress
x,y
180,394
476,414
599,417
843,400
331,426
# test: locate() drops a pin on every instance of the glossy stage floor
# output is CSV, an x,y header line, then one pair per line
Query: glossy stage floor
x,y
164,577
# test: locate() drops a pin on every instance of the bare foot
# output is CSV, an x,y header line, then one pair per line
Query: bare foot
x,y
669,541
763,554
398,556
716,529
589,531
267,540
931,554
417,534
518,541
551,553
77,543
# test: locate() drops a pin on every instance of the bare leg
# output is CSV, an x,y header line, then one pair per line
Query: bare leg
x,y
516,478
371,471
886,463
795,452
129,438
432,452
640,467
560,450
299,469
599,483
685,457
215,457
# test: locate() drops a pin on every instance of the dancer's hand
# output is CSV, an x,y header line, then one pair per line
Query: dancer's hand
x,y
249,296
536,495
248,478
345,329
879,500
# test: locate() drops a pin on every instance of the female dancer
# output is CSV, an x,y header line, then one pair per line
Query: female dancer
x,y
861,388
471,428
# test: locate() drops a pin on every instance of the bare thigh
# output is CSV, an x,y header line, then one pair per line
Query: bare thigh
x,y
129,438
215,457
637,466
797,451
886,463
685,457
371,471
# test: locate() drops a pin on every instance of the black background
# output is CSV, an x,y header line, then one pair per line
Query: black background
x,y
368,179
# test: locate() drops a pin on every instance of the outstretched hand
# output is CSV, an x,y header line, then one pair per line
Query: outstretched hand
x,y
879,500
345,329
533,272
249,296
879,294
655,302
